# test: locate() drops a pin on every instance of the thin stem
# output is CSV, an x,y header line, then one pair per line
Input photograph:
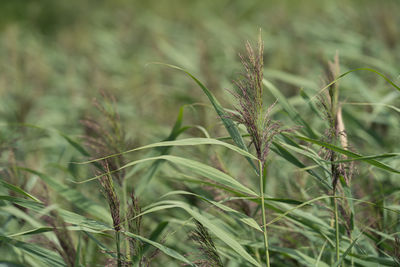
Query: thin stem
x,y
336,227
117,240
125,210
263,214
320,254
352,251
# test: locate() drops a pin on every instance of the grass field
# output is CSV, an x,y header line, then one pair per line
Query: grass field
x,y
199,133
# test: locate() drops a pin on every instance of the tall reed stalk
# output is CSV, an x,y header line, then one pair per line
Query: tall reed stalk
x,y
251,112
264,220
105,136
336,227
336,135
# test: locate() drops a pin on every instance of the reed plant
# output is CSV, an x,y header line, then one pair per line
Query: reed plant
x,y
251,113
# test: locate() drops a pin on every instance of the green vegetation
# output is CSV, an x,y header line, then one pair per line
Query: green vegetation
x,y
132,135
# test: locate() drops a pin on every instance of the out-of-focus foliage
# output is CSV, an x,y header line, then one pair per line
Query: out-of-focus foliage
x,y
58,54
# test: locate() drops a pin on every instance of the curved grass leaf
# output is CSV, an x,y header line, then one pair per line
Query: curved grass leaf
x,y
224,236
18,190
290,110
241,196
326,197
68,216
353,70
284,153
299,256
71,195
288,252
102,246
75,144
367,69
228,122
78,253
46,229
197,167
372,104
155,234
317,158
33,231
166,250
10,264
175,132
350,154
33,205
49,257
376,261
348,250
181,142
234,213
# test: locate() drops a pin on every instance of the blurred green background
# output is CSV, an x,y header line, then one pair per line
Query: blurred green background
x,y
57,55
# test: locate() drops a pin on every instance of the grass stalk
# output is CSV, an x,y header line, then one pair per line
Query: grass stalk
x,y
117,243
336,227
125,209
263,215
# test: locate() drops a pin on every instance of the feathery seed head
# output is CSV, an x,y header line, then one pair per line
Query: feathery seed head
x,y
249,96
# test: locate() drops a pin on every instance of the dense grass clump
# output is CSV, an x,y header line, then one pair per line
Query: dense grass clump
x,y
107,160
